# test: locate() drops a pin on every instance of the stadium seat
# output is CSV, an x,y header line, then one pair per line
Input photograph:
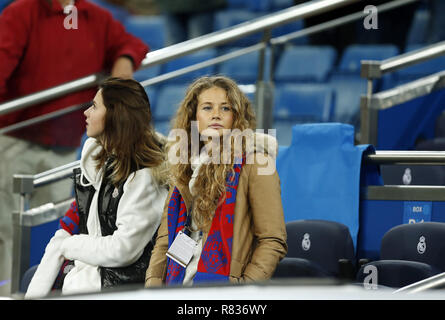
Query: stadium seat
x,y
440,125
152,93
150,29
305,64
394,273
289,28
324,182
281,4
27,277
162,127
417,33
350,62
348,90
116,11
290,267
4,4
422,243
259,5
236,4
302,103
321,248
244,69
189,60
419,70
167,102
147,73
283,132
413,175
231,17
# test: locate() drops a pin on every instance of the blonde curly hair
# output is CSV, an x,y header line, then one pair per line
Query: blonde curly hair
x,y
211,180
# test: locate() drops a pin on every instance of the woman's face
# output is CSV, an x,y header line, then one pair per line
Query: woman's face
x,y
96,116
214,112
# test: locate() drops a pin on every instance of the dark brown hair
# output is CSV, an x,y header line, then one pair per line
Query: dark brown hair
x,y
129,139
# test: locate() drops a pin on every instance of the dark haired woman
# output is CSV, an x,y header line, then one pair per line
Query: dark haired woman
x,y
120,193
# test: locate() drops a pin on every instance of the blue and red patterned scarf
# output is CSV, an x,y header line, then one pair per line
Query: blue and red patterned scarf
x,y
214,262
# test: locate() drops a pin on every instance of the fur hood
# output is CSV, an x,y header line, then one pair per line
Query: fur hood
x,y
88,165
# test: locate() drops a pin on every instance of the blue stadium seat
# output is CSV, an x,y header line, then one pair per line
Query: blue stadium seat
x,y
4,4
413,175
283,132
236,4
422,243
231,17
417,33
189,60
348,90
244,69
302,103
162,127
305,64
259,5
116,11
419,70
168,100
281,4
147,73
322,247
150,29
289,28
249,90
152,93
350,62
27,277
394,273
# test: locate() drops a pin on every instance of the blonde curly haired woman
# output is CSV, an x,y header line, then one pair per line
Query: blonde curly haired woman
x,y
223,219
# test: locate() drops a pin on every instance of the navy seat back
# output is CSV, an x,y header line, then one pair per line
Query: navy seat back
x,y
422,242
301,103
409,253
396,273
291,267
320,241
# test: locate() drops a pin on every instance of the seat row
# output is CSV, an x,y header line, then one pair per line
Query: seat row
x,y
324,249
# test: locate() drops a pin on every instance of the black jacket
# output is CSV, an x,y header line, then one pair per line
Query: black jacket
x,y
107,208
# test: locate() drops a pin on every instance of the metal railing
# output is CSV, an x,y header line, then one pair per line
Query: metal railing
x,y
434,282
261,24
371,103
24,185
30,217
405,192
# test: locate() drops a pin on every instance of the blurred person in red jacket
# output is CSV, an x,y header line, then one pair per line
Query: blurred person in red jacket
x,y
44,43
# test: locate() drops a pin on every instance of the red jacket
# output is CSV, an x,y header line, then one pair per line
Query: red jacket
x,y
37,52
